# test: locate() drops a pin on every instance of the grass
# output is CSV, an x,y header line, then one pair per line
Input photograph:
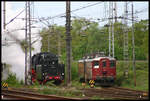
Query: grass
x,y
61,91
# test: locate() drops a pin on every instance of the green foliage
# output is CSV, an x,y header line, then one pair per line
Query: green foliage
x,y
21,82
72,92
74,70
36,83
141,75
25,44
97,98
13,81
87,37
50,83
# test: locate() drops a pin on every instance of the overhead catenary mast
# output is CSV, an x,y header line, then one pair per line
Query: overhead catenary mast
x,y
113,53
4,14
111,30
115,11
133,45
105,10
28,41
59,45
125,49
26,53
110,23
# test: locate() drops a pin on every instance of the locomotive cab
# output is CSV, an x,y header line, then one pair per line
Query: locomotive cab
x,y
100,69
104,70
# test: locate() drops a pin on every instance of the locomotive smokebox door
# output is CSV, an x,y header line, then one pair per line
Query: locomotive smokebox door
x,y
39,72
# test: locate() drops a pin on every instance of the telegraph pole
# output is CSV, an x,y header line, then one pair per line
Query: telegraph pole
x,y
133,52
26,45
30,36
68,45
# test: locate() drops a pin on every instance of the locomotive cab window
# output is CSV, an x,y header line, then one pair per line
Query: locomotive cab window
x,y
96,64
103,63
112,64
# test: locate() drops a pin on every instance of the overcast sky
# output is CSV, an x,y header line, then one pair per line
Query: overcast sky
x,y
13,54
50,9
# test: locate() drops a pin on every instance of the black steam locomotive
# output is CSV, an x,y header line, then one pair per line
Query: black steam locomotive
x,y
45,67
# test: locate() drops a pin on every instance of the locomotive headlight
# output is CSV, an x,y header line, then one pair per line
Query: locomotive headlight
x,y
62,73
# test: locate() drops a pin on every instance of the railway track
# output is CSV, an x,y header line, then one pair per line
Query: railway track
x,y
109,92
117,93
24,95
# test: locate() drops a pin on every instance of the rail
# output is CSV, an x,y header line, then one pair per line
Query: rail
x,y
117,93
24,95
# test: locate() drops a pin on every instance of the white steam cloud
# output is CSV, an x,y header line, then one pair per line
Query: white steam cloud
x,y
13,54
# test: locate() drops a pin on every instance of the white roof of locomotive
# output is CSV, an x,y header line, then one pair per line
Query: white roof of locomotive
x,y
99,58
96,59
85,60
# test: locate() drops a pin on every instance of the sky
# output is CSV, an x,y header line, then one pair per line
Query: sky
x,y
13,54
50,9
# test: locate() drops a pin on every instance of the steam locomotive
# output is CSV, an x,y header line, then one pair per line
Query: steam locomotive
x,y
45,67
100,69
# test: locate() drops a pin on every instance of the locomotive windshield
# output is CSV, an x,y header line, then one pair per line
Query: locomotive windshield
x,y
96,64
103,63
112,63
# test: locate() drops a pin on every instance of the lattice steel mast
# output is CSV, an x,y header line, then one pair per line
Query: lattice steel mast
x,y
111,30
28,40
110,24
133,45
125,49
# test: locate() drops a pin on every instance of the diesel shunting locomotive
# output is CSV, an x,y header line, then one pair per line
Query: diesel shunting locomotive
x,y
45,67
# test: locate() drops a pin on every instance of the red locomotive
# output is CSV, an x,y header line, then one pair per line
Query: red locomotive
x,y
100,69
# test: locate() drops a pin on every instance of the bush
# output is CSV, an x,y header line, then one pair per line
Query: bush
x,y
141,75
13,81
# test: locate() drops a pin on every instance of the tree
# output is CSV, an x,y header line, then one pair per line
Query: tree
x,y
87,37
